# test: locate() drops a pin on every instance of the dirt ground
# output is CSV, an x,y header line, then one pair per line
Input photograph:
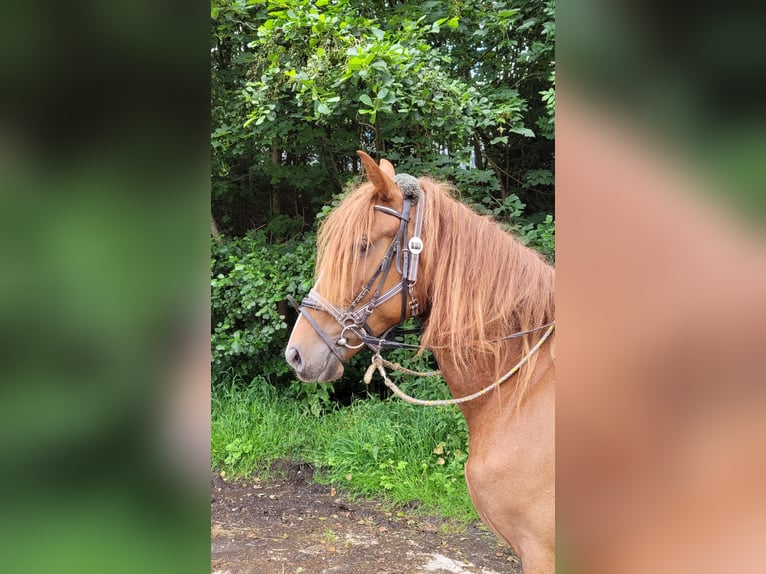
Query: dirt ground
x,y
293,525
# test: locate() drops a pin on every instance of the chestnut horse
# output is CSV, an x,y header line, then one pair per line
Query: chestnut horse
x,y
473,284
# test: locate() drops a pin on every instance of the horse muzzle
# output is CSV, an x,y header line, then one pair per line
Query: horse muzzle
x,y
313,364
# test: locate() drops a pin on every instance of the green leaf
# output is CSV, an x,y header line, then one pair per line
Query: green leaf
x,y
526,132
323,109
355,63
527,24
453,22
365,99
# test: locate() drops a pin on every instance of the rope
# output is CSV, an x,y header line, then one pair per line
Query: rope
x,y
405,370
379,362
383,342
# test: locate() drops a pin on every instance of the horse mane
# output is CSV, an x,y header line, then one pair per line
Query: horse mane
x,y
481,284
477,281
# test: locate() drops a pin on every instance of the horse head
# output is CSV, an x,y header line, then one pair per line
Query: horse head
x,y
366,270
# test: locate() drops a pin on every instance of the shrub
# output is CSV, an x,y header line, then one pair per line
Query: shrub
x,y
250,281
540,234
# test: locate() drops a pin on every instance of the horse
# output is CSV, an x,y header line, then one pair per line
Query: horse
x,y
398,246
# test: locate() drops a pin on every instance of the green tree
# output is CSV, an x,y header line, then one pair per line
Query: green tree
x,y
437,86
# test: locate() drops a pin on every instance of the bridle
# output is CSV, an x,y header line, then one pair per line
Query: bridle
x,y
404,252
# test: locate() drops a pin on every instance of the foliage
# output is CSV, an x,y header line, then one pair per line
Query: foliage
x,y
540,236
298,86
383,448
322,62
250,280
537,231
401,451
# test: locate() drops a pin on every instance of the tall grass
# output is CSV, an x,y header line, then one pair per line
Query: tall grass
x,y
383,448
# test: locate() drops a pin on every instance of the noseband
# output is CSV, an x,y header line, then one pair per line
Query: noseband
x,y
405,252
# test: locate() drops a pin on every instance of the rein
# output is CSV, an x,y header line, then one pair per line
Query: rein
x,y
399,345
405,251
379,362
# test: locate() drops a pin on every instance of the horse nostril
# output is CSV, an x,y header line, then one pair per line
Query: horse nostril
x,y
293,358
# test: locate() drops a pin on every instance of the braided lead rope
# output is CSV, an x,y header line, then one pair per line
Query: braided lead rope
x,y
378,362
405,370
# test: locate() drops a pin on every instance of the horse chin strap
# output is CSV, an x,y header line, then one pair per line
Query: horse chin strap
x,y
405,252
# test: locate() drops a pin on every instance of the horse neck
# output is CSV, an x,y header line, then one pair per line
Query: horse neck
x,y
478,282
511,290
463,381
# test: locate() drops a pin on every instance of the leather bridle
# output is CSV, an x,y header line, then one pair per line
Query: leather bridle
x,y
404,252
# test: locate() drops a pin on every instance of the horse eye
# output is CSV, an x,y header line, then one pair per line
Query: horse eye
x,y
364,246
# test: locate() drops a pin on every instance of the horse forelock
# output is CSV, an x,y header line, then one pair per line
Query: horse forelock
x,y
339,236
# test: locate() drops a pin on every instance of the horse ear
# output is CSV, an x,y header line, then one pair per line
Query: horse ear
x,y
378,176
388,168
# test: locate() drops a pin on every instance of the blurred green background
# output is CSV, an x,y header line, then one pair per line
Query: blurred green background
x,y
104,208
690,78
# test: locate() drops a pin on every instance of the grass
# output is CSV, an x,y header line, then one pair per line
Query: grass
x,y
387,449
